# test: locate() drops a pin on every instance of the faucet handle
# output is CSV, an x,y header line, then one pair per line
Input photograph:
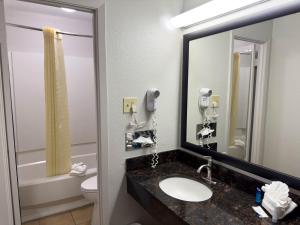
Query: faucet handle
x,y
207,156
209,159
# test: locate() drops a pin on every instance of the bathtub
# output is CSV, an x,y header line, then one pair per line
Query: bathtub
x,y
35,189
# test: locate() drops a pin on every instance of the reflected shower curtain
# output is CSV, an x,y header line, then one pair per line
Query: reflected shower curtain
x,y
235,81
58,156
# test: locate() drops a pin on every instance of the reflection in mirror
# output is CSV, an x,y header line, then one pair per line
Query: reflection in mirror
x,y
252,112
243,77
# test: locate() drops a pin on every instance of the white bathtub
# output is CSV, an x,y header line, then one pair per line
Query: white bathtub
x,y
37,189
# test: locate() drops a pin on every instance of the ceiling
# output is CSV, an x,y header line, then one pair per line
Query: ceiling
x,y
44,9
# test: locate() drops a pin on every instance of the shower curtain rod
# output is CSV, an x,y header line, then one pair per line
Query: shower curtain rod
x,y
39,29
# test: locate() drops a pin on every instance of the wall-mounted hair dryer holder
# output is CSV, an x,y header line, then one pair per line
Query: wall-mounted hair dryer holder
x,y
140,140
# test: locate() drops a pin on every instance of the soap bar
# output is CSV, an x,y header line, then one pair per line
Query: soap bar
x,y
260,212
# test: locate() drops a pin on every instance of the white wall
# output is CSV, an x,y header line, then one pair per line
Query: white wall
x,y
142,52
282,140
261,32
209,67
190,4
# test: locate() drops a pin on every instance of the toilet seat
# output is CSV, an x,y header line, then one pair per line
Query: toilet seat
x,y
90,184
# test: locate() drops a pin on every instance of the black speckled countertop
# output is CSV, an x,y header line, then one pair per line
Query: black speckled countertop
x,y
231,203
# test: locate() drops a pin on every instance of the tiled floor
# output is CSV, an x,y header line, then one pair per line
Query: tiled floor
x,y
81,216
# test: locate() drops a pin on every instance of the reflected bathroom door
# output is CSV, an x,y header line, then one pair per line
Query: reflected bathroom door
x,y
251,64
243,129
252,91
245,96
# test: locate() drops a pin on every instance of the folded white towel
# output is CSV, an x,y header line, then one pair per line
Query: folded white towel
x,y
277,201
76,165
78,169
278,192
276,186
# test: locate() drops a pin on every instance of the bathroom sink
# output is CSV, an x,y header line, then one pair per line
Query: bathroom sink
x,y
185,189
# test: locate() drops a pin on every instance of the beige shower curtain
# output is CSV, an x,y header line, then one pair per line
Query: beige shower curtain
x,y
235,81
58,157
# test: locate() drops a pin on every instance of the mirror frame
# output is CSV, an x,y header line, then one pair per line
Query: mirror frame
x,y
255,169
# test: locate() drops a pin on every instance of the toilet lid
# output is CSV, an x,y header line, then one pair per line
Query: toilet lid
x,y
90,184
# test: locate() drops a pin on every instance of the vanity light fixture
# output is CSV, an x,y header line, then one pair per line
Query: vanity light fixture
x,y
210,10
68,10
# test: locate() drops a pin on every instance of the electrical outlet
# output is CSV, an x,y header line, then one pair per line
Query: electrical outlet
x,y
128,102
216,99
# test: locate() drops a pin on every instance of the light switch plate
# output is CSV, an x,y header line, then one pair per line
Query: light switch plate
x,y
216,99
128,102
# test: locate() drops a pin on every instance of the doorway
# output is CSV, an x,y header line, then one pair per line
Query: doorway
x,y
26,58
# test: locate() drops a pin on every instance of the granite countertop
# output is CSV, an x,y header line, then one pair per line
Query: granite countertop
x,y
228,205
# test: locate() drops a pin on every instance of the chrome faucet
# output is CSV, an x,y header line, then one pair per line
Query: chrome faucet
x,y
208,168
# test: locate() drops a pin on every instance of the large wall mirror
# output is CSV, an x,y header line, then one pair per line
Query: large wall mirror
x,y
241,99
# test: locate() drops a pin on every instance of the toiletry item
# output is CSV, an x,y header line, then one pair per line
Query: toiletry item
x,y
258,196
261,213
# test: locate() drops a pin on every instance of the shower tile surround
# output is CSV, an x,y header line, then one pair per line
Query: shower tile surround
x,y
233,195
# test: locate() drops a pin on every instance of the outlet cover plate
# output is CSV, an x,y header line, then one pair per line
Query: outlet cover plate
x,y
128,102
216,99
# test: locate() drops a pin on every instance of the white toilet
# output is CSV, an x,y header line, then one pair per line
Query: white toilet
x,y
237,150
89,189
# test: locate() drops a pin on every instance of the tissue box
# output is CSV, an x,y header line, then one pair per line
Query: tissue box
x,y
277,212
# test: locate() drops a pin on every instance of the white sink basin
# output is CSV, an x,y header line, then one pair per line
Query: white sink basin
x,y
185,189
